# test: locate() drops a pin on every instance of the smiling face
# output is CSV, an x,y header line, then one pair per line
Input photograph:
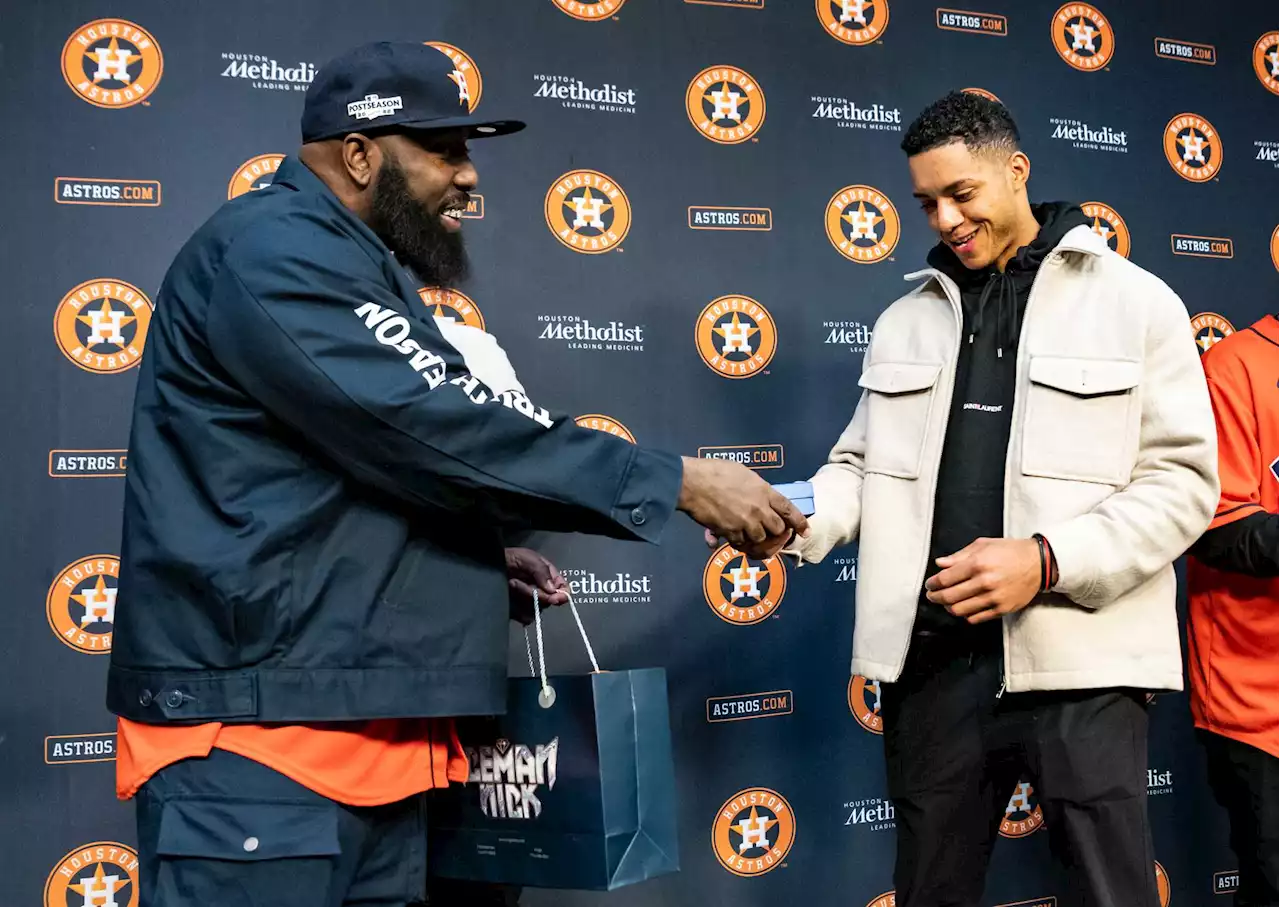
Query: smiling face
x,y
976,201
419,195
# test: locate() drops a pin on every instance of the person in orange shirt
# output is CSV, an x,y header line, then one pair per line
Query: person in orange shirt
x,y
1234,628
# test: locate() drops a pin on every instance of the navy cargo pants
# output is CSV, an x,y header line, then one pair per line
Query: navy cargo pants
x,y
226,830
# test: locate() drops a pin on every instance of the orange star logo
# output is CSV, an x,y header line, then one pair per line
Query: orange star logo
x,y
100,889
113,51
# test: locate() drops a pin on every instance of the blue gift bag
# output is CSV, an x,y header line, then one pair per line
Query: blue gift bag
x,y
574,787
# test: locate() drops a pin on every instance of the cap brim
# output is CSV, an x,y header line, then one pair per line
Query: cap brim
x,y
480,129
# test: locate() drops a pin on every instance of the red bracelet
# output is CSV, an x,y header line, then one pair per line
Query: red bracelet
x,y
1046,562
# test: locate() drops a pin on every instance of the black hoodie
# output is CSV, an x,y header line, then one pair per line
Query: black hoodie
x,y
969,501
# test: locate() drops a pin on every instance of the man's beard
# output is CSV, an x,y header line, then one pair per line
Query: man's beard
x,y
416,236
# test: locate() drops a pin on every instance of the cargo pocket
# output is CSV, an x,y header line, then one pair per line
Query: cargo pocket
x,y
1081,422
282,853
899,400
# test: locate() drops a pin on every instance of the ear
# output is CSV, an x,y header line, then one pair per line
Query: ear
x,y
1019,169
361,157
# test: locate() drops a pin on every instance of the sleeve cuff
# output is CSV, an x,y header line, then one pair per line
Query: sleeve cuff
x,y
648,495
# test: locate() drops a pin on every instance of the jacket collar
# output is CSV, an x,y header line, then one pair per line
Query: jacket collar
x,y
1081,240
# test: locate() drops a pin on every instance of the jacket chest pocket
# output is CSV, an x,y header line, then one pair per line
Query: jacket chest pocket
x,y
1081,421
899,400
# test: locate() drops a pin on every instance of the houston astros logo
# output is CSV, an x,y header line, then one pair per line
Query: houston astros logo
x,y
1208,328
864,703
1266,61
1192,147
853,21
590,10
1083,37
451,304
1109,225
725,105
81,604
736,336
254,174
1275,248
740,589
112,63
1163,888
101,874
588,212
862,224
465,74
609,426
753,832
102,324
983,93
1023,815
888,899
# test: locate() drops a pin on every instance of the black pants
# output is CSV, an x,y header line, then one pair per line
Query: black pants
x,y
1243,780
955,754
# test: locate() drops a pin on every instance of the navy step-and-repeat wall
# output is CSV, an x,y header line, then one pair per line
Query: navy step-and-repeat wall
x,y
689,246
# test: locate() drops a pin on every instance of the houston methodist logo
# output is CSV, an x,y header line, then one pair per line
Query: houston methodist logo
x,y
1192,147
254,174
101,874
736,336
588,212
725,105
864,703
112,63
465,74
1208,328
1023,815
1109,225
742,590
101,325
81,604
862,224
753,832
855,22
1266,61
1083,37
597,422
451,304
590,10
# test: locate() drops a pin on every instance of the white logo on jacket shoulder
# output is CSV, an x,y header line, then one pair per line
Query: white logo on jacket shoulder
x,y
392,330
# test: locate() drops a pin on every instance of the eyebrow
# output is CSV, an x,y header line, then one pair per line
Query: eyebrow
x,y
947,190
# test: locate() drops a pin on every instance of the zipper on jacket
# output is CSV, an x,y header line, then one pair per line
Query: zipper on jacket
x,y
958,312
1052,260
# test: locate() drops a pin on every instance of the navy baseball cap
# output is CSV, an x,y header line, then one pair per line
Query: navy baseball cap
x,y
397,84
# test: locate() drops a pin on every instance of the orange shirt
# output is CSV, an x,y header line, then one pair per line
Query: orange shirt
x,y
1234,630
360,763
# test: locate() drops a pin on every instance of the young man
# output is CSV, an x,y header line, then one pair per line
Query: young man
x,y
1032,449
314,578
1233,638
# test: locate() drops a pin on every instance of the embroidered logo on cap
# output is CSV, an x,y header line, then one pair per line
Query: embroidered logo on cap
x,y
373,107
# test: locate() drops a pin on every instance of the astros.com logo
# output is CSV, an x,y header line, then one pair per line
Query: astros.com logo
x,y
753,832
112,63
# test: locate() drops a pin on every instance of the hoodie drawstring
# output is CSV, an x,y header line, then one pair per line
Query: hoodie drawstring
x,y
1006,310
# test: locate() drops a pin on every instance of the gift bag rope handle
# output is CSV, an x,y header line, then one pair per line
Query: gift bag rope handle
x,y
548,695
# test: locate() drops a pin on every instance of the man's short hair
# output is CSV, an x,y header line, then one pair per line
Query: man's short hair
x,y
982,124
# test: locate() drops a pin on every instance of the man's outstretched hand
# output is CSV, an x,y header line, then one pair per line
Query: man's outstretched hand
x,y
734,503
527,570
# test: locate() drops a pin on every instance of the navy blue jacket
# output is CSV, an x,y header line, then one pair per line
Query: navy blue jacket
x,y
318,490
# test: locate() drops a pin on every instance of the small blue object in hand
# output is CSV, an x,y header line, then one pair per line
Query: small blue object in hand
x,y
800,494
